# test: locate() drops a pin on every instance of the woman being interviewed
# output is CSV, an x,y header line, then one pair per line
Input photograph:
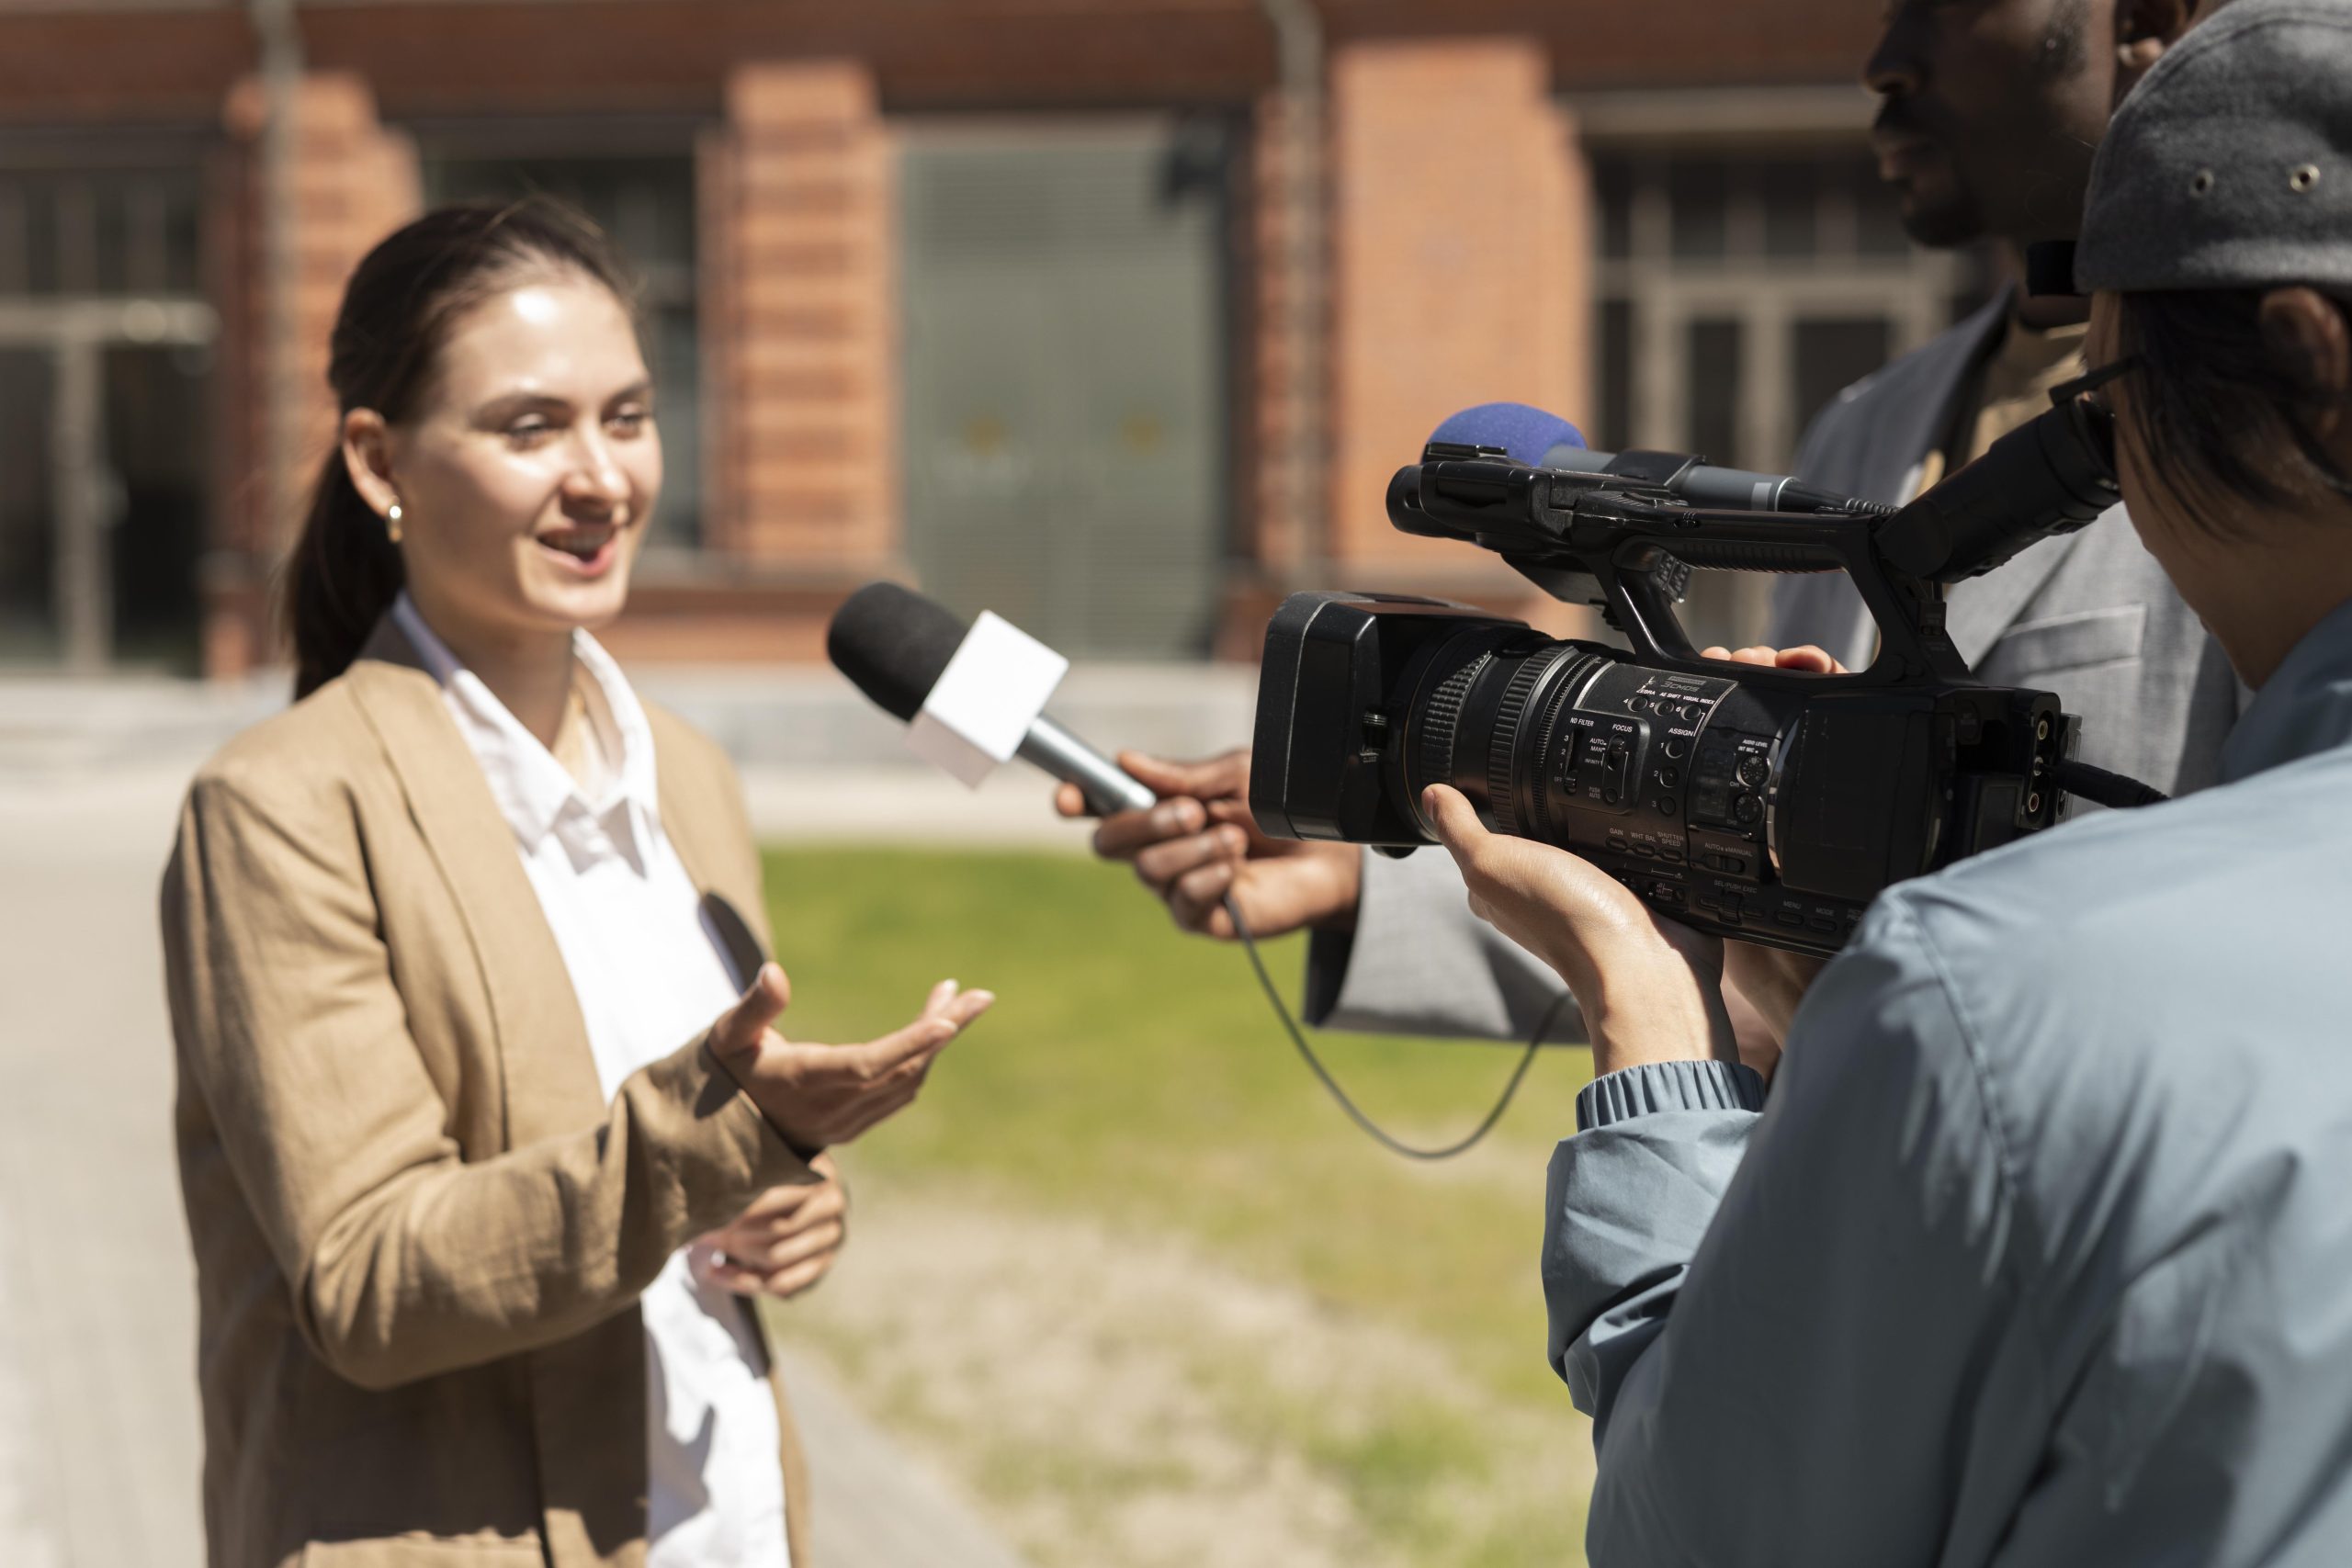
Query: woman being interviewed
x,y
484,1132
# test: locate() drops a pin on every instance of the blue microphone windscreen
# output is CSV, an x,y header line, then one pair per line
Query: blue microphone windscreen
x,y
1525,433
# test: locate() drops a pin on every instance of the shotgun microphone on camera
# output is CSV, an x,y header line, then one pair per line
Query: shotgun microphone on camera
x,y
973,695
1545,440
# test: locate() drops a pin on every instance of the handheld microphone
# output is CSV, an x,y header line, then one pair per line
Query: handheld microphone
x,y
1545,440
973,695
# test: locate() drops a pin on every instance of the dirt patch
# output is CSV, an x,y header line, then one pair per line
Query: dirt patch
x,y
1118,1400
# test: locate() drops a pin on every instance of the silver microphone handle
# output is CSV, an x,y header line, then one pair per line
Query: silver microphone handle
x,y
1067,758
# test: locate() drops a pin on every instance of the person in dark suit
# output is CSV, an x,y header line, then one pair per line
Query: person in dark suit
x,y
1990,114
2088,614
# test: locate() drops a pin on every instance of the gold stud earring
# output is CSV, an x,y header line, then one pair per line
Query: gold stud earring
x,y
393,521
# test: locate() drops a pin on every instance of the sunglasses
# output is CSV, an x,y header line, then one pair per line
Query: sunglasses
x,y
2084,385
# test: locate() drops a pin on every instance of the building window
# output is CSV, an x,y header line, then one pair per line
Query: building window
x,y
646,205
1737,295
105,417
1739,291
1064,413
99,233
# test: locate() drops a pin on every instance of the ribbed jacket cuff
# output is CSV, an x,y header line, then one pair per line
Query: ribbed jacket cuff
x,y
1669,1086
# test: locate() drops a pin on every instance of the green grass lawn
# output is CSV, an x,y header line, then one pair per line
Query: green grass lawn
x,y
1133,1077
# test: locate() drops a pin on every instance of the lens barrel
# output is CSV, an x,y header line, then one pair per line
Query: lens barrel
x,y
1484,717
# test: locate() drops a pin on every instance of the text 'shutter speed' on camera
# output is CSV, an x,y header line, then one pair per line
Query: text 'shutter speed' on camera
x,y
1760,804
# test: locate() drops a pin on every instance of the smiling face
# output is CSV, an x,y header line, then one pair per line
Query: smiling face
x,y
528,471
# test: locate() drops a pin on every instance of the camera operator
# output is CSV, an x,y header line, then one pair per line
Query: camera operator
x,y
2038,1254
1990,114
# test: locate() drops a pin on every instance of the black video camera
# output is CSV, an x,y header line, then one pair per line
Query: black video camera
x,y
1765,805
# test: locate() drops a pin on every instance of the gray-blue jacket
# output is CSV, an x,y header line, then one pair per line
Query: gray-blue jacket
x,y
2040,1252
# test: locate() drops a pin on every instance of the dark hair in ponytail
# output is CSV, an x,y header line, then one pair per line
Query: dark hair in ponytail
x,y
397,312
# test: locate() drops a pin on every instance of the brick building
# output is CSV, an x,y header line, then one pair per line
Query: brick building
x,y
1069,307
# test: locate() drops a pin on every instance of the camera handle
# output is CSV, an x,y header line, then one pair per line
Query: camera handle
x,y
1628,539
1637,557
1587,538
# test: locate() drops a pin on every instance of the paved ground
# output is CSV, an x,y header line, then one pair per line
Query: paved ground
x,y
98,1438
97,1410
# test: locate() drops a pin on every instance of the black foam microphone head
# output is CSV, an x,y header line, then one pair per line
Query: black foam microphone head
x,y
893,643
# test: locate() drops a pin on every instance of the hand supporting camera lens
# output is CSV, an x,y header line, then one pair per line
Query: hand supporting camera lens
x,y
1200,842
820,1095
1650,989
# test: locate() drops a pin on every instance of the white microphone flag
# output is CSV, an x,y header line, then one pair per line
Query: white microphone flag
x,y
982,705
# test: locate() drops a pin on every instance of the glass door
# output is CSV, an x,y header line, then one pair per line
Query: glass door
x,y
29,631
1064,401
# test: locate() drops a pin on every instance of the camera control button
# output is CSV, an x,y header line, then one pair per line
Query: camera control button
x,y
1668,777
1637,704
1822,922
1662,806
1678,747
1647,851
1787,917
1746,809
1669,852
1754,771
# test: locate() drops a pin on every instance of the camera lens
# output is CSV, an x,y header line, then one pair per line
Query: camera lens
x,y
1482,719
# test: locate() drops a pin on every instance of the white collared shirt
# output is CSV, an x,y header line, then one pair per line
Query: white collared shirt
x,y
649,976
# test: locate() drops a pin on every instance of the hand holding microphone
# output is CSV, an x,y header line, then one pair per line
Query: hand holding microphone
x,y
1200,843
820,1095
975,696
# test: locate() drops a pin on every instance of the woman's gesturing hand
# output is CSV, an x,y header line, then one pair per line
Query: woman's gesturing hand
x,y
1651,990
785,1242
817,1095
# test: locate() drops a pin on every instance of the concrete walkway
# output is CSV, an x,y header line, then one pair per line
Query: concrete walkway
x,y
99,1432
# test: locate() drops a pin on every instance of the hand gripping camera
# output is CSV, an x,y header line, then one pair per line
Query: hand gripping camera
x,y
1765,805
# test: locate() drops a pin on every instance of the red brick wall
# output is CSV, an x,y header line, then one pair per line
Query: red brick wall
x,y
1636,43
1276,536
799,340
1457,231
113,59
353,182
1454,226
805,320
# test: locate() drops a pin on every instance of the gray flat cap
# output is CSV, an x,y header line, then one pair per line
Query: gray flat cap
x,y
2230,166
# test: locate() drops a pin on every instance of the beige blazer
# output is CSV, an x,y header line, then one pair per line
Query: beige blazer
x,y
419,1230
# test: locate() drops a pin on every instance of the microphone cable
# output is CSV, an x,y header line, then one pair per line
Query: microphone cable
x,y
1331,1086
2077,778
